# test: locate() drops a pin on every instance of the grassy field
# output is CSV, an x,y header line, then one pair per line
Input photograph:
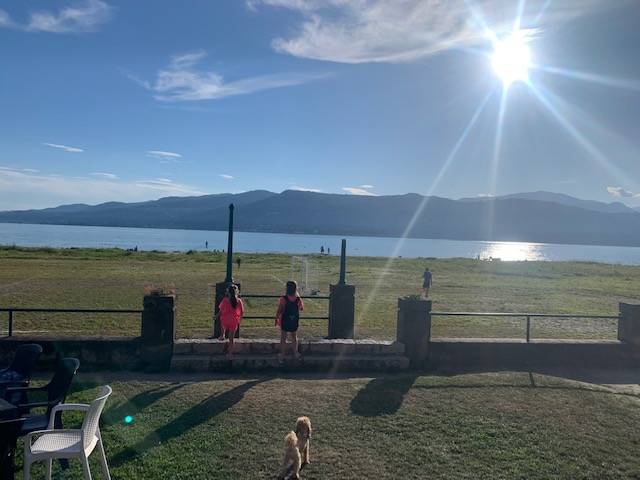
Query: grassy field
x,y
492,425
113,278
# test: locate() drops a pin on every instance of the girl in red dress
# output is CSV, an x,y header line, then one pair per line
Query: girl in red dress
x,y
231,310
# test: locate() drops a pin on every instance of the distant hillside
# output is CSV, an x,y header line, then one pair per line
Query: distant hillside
x,y
507,218
562,199
208,212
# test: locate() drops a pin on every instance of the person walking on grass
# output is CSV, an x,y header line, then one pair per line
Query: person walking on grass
x,y
288,318
426,283
230,312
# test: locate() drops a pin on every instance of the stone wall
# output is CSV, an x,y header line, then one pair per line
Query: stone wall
x,y
483,354
151,351
94,353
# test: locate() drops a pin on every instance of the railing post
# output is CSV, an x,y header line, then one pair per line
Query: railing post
x,y
158,330
528,328
10,323
342,301
414,329
629,323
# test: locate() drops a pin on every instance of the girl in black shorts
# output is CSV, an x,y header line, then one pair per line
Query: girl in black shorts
x,y
288,318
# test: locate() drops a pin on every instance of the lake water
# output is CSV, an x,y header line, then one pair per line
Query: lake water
x,y
183,240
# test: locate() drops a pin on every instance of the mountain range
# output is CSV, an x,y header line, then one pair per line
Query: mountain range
x,y
533,217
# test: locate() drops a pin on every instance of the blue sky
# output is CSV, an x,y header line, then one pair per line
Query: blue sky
x,y
120,100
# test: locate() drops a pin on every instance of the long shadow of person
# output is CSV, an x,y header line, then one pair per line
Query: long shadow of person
x,y
196,415
382,395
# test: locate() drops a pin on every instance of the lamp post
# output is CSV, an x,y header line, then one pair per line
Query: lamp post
x,y
343,262
221,287
229,277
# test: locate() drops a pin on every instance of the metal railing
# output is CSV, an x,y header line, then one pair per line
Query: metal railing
x,y
268,317
527,316
11,311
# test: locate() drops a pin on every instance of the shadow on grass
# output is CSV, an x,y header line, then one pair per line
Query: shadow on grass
x,y
196,415
382,395
531,383
139,402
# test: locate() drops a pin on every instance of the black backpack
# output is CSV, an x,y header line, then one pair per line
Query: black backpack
x,y
291,309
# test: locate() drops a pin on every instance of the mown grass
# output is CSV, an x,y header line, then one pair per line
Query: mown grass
x,y
495,425
114,278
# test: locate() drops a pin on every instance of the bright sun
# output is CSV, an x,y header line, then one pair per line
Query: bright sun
x,y
511,58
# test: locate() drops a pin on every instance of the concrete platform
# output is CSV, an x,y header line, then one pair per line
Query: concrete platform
x,y
261,346
200,355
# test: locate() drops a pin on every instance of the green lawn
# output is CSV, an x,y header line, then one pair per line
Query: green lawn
x,y
113,278
494,425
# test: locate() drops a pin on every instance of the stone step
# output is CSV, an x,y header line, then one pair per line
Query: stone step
x,y
342,363
255,346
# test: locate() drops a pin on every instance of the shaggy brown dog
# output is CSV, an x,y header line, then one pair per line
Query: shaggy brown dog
x,y
292,461
303,432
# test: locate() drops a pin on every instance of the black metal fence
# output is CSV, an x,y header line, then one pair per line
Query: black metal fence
x,y
12,310
302,317
527,316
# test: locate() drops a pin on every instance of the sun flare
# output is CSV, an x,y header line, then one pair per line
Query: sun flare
x,y
511,58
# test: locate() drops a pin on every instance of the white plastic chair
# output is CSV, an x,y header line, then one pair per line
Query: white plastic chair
x,y
68,443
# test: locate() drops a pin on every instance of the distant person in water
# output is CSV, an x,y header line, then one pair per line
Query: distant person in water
x,y
328,251
238,262
426,282
288,318
322,250
206,244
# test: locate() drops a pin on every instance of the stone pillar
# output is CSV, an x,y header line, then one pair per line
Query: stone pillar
x,y
342,310
629,323
158,330
414,329
221,289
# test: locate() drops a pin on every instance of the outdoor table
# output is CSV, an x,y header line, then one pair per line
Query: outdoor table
x,y
9,412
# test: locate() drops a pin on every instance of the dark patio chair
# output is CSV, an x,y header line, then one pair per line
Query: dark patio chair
x,y
9,431
18,374
47,396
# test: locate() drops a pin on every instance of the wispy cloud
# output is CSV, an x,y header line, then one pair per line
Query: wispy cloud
x,y
169,186
108,176
5,19
12,169
398,31
227,177
622,193
22,189
359,191
299,188
66,148
163,155
366,187
25,170
80,17
181,80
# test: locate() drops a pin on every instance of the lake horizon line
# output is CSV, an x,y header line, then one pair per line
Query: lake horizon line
x,y
182,240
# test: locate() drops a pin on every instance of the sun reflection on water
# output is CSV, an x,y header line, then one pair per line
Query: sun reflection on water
x,y
512,251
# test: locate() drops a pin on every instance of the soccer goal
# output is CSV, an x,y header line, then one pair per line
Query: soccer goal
x,y
305,275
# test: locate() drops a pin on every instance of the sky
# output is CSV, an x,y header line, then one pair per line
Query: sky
x,y
106,100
